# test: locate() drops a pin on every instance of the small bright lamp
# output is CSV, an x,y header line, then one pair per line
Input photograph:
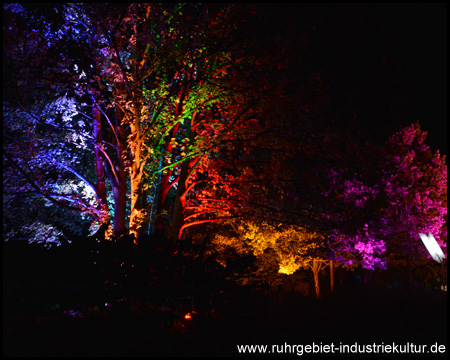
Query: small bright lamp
x,y
432,247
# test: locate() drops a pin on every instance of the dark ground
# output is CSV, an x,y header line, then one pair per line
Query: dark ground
x,y
75,301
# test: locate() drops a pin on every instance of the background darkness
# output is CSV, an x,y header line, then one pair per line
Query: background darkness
x,y
390,58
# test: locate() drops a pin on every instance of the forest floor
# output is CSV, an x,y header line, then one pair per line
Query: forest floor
x,y
109,302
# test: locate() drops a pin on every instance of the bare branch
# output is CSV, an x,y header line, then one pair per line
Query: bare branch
x,y
72,170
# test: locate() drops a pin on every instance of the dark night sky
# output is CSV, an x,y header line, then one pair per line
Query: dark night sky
x,y
393,54
414,46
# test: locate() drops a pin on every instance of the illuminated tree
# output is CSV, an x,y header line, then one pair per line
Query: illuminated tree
x,y
187,95
52,120
414,186
379,210
216,187
354,236
42,162
148,81
217,106
281,248
291,246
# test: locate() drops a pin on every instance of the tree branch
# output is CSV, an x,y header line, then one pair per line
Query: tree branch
x,y
73,171
205,212
184,226
33,184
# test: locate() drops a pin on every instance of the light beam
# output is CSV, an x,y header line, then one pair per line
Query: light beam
x,y
432,247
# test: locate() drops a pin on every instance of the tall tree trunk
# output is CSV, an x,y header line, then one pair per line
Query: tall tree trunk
x,y
164,186
180,203
100,186
136,194
118,180
99,163
156,208
180,198
316,266
120,190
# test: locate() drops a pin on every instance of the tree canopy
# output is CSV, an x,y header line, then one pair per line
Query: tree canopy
x,y
142,120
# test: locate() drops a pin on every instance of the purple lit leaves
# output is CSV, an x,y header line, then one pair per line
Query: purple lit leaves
x,y
414,183
409,197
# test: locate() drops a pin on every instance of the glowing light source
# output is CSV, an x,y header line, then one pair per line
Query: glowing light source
x,y
188,316
432,247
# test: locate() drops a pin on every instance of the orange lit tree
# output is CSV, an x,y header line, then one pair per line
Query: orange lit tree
x,y
279,248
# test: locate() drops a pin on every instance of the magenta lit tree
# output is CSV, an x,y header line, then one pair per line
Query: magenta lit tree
x,y
414,184
354,238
